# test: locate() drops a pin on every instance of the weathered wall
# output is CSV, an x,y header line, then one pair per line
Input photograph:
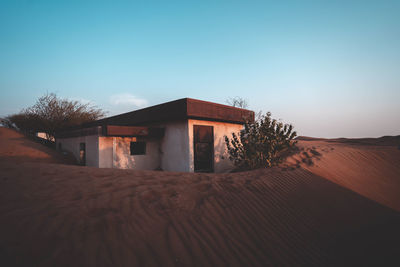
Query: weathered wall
x,y
105,152
115,152
221,158
124,160
175,147
92,148
173,153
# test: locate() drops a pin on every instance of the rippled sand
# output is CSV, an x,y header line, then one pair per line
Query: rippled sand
x,y
334,203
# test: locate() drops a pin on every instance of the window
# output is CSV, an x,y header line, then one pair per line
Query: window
x,y
138,148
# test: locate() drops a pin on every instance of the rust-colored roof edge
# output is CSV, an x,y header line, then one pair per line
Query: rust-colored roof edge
x,y
215,120
215,104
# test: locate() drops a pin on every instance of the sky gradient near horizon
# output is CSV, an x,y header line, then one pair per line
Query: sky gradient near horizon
x,y
331,68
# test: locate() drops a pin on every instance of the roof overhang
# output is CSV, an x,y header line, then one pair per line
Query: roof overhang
x,y
178,110
114,130
133,131
181,109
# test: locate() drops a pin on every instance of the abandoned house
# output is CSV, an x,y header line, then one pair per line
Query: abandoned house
x,y
185,135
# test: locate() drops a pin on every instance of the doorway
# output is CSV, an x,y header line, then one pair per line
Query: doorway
x,y
82,154
203,139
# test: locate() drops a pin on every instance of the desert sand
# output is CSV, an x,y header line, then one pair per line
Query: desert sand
x,y
334,203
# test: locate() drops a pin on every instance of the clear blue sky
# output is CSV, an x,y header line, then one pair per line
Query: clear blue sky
x,y
332,68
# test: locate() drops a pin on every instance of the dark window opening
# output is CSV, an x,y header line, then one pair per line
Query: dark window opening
x,y
138,148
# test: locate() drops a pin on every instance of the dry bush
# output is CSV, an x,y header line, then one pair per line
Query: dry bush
x,y
261,143
51,114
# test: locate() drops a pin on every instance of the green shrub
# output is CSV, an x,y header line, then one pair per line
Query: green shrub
x,y
261,143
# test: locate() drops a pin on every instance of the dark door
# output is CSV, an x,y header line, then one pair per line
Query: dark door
x,y
203,148
82,153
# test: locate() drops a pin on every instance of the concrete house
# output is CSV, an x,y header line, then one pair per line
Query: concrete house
x,y
185,135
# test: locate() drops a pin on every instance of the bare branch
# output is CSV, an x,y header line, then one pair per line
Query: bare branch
x,y
237,102
51,114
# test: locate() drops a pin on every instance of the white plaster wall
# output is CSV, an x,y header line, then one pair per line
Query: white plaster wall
x,y
175,147
221,157
173,153
105,152
92,148
123,159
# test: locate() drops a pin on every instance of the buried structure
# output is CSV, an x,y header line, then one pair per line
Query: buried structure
x,y
184,135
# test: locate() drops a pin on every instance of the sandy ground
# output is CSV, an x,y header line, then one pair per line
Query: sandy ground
x,y
335,203
370,167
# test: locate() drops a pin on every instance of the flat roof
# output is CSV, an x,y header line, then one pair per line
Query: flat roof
x,y
181,109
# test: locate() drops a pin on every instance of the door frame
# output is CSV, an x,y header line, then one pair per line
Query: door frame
x,y
212,148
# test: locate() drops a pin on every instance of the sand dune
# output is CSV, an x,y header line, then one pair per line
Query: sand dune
x,y
370,168
302,213
16,147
